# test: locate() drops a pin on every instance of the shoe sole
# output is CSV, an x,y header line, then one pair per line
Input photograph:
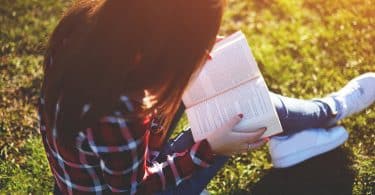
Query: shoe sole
x,y
309,153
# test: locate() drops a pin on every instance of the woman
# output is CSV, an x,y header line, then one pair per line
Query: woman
x,y
115,71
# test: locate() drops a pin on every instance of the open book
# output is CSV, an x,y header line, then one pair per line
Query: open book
x,y
228,84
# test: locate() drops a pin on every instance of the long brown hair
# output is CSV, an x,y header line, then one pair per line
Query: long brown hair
x,y
102,49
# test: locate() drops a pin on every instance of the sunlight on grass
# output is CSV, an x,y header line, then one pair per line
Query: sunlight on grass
x,y
304,48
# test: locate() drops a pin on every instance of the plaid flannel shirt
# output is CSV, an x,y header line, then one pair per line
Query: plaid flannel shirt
x,y
114,156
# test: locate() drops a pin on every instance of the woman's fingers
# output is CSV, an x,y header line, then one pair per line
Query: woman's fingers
x,y
233,122
250,137
225,141
257,144
253,146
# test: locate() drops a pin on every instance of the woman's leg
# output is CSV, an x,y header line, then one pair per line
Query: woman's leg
x,y
199,180
297,114
308,120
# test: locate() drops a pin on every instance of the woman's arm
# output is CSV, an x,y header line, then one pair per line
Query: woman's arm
x,y
121,148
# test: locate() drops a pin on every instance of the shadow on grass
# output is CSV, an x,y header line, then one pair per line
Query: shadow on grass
x,y
329,173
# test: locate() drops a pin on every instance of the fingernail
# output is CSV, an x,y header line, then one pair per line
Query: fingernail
x,y
266,139
264,128
240,115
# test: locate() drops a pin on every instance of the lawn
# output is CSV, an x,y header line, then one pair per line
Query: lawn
x,y
305,49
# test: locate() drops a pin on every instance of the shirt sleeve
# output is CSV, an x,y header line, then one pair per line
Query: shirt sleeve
x,y
122,148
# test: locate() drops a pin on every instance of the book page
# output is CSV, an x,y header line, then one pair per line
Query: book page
x,y
231,65
227,85
251,99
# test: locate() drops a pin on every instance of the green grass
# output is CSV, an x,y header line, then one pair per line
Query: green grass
x,y
24,28
305,49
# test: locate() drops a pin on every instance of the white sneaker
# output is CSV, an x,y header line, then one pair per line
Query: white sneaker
x,y
287,151
204,192
356,96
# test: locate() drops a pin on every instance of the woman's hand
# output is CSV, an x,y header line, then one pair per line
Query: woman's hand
x,y
226,142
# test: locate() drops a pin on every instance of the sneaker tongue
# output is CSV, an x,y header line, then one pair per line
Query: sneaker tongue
x,y
352,100
348,99
342,108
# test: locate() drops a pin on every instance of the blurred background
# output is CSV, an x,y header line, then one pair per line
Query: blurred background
x,y
305,49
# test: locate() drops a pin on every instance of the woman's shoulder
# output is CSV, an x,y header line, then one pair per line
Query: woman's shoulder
x,y
126,114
